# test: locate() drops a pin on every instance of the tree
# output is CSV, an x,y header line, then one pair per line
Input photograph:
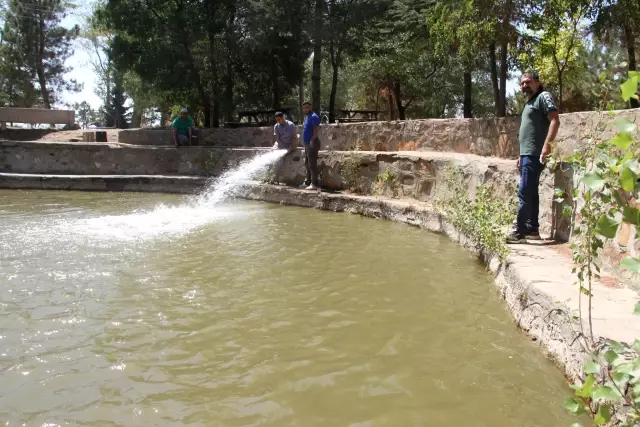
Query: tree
x,y
116,114
318,20
558,32
85,114
619,20
347,20
95,39
36,42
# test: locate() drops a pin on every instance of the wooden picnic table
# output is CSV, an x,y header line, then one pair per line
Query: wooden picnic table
x,y
260,117
351,115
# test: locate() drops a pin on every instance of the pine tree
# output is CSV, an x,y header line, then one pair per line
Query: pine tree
x,y
35,46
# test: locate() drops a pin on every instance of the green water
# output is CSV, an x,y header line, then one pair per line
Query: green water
x,y
115,311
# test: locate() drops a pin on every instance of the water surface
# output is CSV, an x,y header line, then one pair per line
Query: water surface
x,y
116,312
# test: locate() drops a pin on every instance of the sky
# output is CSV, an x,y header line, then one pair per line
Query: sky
x,y
79,62
82,72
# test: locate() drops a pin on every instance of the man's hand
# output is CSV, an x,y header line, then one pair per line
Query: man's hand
x,y
518,163
546,150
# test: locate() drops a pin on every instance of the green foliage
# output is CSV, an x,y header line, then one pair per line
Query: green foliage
x,y
85,115
351,174
486,219
211,162
33,49
385,182
608,172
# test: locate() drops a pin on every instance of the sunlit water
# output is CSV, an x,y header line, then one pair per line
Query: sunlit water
x,y
114,311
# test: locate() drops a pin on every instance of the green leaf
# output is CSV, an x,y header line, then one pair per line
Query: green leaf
x,y
610,356
629,88
593,180
605,394
603,416
622,140
628,179
634,74
636,310
591,368
633,265
624,125
587,387
631,215
576,425
607,226
572,405
616,346
636,343
620,379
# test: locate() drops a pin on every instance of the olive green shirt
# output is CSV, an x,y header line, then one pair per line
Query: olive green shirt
x,y
534,124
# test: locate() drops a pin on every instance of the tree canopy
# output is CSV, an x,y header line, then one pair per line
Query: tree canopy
x,y
405,58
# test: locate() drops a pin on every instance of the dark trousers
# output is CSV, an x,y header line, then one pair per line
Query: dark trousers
x,y
528,196
311,162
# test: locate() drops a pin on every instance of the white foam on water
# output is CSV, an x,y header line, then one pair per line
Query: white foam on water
x,y
227,185
196,212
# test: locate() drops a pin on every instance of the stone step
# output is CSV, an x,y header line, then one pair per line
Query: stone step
x,y
140,183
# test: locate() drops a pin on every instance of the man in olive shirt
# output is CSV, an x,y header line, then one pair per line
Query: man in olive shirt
x,y
182,128
538,128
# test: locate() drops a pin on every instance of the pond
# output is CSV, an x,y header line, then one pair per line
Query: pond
x,y
135,309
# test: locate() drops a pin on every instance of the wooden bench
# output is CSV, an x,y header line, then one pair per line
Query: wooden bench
x,y
36,116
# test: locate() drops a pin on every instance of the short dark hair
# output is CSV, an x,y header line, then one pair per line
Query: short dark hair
x,y
306,103
279,114
533,74
536,77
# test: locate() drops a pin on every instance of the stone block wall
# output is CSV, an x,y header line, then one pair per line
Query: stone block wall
x,y
113,159
484,137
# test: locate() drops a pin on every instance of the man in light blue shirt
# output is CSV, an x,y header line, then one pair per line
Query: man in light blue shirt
x,y
285,135
310,131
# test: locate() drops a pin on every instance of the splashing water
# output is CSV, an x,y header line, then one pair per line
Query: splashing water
x,y
227,185
197,211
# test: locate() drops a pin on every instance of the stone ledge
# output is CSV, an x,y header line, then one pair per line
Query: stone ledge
x,y
141,183
535,281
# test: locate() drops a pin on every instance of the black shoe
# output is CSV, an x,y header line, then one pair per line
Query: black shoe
x,y
516,237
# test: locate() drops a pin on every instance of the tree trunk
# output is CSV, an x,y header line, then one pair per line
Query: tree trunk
x,y
317,57
494,76
40,66
136,117
275,87
631,53
228,83
560,92
397,97
300,99
390,108
215,84
467,108
504,56
335,65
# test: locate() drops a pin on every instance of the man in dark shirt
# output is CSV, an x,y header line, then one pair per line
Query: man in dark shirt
x,y
538,128
310,130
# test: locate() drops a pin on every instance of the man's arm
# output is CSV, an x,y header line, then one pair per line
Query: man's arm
x,y
294,141
316,127
554,125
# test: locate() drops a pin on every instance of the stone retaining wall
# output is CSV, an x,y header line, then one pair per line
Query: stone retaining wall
x,y
414,175
115,159
484,137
